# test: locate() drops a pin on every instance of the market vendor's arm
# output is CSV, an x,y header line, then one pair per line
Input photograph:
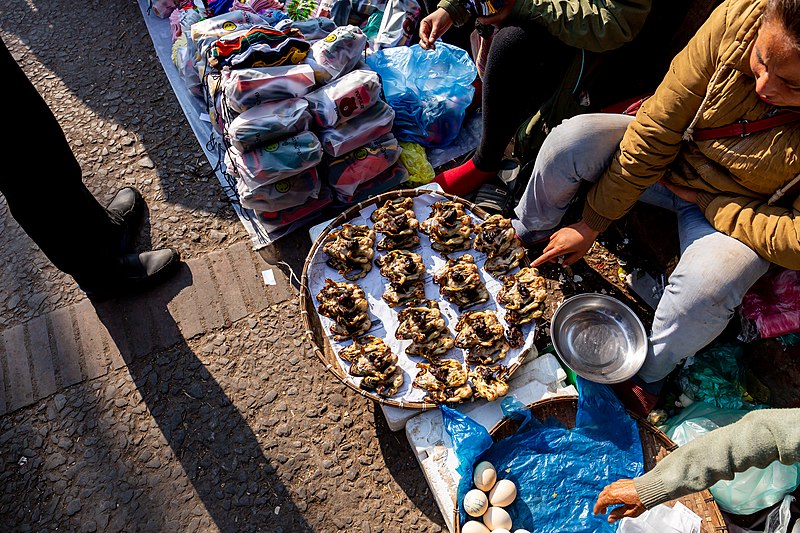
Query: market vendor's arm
x,y
595,25
458,12
652,141
773,232
758,439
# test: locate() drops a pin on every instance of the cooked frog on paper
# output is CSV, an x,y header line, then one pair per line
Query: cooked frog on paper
x,y
371,359
497,239
350,249
445,381
449,226
523,296
482,335
397,221
426,326
404,270
460,282
345,304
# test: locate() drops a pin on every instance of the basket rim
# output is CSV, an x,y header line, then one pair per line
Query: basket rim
x,y
306,298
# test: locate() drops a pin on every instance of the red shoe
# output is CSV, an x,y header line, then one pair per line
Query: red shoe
x,y
635,398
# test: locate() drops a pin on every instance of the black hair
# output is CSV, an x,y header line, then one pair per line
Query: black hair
x,y
787,13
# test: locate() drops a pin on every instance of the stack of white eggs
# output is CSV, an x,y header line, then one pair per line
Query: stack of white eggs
x,y
487,501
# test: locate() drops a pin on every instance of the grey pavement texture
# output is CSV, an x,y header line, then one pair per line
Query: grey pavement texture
x,y
197,406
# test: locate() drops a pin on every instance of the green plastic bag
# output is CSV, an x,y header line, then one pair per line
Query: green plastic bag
x,y
416,162
716,377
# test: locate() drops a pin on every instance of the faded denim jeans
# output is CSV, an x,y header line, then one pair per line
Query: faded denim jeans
x,y
713,273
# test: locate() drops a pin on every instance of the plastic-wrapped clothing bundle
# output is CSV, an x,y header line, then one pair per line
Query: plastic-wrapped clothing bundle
x,y
276,161
246,88
373,123
256,6
345,98
268,122
279,219
285,194
398,25
338,53
257,46
183,61
348,171
312,29
385,181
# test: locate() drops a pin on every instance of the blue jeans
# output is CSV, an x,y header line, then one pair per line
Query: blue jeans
x,y
713,273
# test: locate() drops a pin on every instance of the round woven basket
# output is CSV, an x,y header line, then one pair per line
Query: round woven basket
x,y
315,332
655,446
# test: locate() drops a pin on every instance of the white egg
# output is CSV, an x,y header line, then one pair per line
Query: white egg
x,y
475,502
484,476
497,518
522,531
473,526
503,493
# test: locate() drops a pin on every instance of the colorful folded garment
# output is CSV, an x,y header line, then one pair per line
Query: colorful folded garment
x,y
345,98
345,173
273,162
371,124
269,122
246,88
259,46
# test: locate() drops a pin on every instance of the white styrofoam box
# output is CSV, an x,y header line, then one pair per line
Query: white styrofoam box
x,y
432,445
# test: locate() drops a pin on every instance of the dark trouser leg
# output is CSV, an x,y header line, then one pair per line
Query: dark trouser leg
x,y
524,68
41,181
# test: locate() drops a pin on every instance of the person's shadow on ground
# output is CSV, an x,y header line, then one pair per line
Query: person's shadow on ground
x,y
217,449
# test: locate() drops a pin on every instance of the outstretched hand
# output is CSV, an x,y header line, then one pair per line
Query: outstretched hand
x,y
622,493
568,244
432,27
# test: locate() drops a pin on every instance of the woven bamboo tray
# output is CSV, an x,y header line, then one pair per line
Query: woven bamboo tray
x,y
655,446
315,333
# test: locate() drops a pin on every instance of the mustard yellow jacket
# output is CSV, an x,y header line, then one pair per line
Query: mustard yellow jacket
x,y
710,84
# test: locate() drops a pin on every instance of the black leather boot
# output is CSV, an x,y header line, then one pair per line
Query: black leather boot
x,y
135,273
127,205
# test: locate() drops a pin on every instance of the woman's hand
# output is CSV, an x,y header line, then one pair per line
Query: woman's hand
x,y
572,242
432,27
498,18
622,493
684,193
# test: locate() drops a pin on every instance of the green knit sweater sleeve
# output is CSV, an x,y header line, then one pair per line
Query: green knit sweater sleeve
x,y
758,439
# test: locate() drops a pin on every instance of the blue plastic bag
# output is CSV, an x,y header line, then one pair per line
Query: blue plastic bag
x,y
429,90
558,472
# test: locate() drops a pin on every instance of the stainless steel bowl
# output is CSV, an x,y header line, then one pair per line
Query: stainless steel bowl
x,y
599,338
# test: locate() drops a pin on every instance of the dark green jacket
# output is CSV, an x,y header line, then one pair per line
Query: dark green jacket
x,y
594,25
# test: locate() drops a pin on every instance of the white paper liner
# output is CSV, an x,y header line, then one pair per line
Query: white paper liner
x,y
384,318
